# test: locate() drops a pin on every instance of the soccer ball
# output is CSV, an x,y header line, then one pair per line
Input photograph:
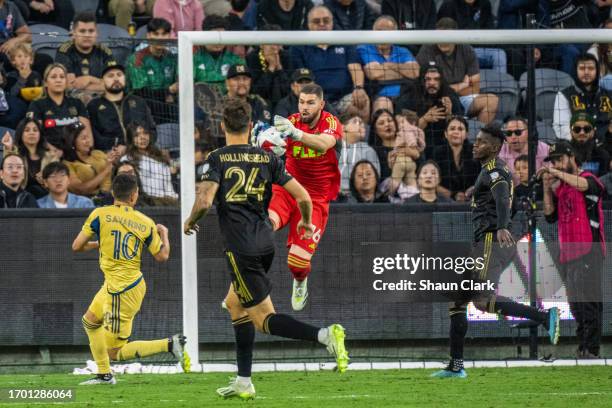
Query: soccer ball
x,y
272,140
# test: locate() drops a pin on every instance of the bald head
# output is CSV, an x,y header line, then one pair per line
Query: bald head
x,y
385,23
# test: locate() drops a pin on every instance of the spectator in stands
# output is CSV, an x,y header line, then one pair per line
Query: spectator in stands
x,y
594,158
386,65
152,72
457,167
29,144
568,14
114,111
382,136
351,14
12,108
153,166
131,168
289,104
183,15
476,15
211,62
56,110
13,180
290,15
238,84
82,56
364,184
14,29
57,12
411,14
235,16
270,69
123,10
354,149
517,136
511,15
57,180
585,95
434,102
460,68
89,169
23,82
337,68
216,7
603,53
522,189
428,180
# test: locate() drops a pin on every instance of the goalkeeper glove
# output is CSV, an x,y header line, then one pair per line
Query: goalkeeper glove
x,y
285,126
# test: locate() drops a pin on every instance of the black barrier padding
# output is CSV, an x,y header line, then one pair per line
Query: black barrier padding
x,y
45,288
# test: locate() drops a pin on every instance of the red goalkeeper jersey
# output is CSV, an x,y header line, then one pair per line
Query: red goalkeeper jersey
x,y
317,172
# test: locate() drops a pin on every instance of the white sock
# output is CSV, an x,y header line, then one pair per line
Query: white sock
x,y
243,380
323,336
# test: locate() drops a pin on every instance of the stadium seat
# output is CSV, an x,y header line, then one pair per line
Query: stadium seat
x,y
46,38
168,136
548,83
141,33
117,39
505,87
84,5
474,127
546,133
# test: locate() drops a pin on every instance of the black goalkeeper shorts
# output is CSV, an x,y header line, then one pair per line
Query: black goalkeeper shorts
x,y
250,276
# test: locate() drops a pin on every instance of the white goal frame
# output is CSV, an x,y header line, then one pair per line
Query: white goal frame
x,y
188,39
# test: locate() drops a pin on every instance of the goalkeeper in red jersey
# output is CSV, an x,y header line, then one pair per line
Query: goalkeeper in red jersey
x,y
313,141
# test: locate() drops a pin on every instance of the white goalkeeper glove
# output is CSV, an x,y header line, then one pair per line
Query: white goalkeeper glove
x,y
285,126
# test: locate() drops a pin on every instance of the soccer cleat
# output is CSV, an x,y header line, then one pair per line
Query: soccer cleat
x,y
448,373
179,352
299,295
101,379
553,325
236,389
336,346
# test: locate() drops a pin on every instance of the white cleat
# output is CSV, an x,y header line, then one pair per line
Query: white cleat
x,y
237,389
101,379
179,352
299,295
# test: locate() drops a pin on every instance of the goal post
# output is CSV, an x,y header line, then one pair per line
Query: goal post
x,y
188,40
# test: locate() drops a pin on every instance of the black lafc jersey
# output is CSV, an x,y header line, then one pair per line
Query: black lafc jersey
x,y
494,183
245,175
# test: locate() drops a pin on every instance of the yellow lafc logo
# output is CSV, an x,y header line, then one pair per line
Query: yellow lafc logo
x,y
303,152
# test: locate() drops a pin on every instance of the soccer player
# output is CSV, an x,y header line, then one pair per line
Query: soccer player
x,y
123,233
491,208
240,176
315,140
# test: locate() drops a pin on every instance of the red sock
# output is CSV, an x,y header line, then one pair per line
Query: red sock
x,y
299,267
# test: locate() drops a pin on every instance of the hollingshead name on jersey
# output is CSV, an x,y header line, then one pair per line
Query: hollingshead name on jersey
x,y
244,157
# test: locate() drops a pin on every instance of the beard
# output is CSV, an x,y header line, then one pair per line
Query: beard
x,y
115,89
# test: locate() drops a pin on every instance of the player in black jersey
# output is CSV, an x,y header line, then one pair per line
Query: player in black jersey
x,y
491,208
240,176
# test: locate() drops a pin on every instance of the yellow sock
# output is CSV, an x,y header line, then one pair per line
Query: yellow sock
x,y
138,349
97,344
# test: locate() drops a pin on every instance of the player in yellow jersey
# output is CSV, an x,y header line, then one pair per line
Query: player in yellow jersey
x,y
123,233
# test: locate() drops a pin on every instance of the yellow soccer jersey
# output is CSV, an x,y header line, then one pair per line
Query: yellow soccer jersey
x,y
122,233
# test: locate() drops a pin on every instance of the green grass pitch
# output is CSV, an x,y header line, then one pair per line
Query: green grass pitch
x,y
499,388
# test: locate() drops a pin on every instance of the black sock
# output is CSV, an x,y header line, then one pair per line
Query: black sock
x,y
286,326
508,307
458,329
244,331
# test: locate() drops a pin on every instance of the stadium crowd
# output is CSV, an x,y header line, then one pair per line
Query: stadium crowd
x,y
78,108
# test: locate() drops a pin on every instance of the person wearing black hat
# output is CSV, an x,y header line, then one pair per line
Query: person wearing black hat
x,y
238,84
434,102
289,104
573,198
111,113
593,158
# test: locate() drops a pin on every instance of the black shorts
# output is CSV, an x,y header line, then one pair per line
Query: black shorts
x,y
249,276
